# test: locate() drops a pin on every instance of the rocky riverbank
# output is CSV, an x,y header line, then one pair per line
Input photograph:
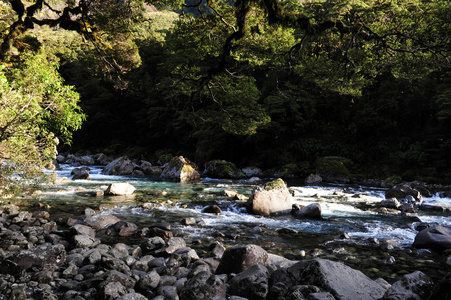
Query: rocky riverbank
x,y
60,257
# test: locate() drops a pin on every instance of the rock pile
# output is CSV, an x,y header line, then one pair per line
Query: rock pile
x,y
67,259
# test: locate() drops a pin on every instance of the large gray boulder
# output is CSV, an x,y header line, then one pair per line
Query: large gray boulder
x,y
251,283
435,237
239,258
414,286
336,278
181,169
273,198
119,166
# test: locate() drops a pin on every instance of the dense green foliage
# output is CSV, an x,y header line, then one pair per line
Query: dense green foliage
x,y
268,83
36,111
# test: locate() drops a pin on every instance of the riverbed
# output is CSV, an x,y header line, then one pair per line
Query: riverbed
x,y
354,228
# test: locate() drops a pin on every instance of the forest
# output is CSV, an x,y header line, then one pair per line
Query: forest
x,y
267,83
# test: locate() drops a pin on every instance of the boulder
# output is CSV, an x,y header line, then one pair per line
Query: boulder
x,y
239,258
212,209
102,159
401,191
205,285
273,198
340,280
82,229
435,237
84,241
437,205
221,169
415,286
148,169
391,203
87,160
333,169
99,222
251,283
80,173
250,172
311,211
442,290
120,189
313,179
180,169
119,166
39,257
149,280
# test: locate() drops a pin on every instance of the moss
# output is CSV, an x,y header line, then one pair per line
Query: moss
x,y
332,166
275,184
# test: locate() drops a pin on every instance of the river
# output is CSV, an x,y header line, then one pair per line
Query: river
x,y
353,229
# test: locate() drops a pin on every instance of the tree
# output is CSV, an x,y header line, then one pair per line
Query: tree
x,y
36,112
232,48
103,23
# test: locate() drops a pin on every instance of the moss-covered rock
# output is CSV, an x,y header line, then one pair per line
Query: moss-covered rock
x,y
273,198
333,169
221,169
181,169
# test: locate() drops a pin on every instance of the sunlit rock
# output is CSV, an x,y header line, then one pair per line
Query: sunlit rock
x,y
311,211
180,169
273,198
120,188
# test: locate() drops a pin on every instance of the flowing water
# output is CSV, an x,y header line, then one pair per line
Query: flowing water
x,y
353,229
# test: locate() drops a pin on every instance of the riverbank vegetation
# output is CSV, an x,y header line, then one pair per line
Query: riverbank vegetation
x,y
269,83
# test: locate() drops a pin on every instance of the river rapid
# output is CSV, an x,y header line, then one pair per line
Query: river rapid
x,y
354,228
